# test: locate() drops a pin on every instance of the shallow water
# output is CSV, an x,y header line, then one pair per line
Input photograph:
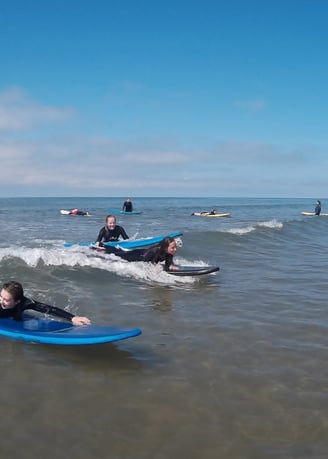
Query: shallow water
x,y
232,365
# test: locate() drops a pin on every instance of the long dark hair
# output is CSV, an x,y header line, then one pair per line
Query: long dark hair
x,y
162,248
15,289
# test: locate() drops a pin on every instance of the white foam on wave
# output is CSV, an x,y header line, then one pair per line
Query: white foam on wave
x,y
272,224
83,257
275,224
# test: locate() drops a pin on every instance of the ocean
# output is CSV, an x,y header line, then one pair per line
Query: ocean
x,y
232,365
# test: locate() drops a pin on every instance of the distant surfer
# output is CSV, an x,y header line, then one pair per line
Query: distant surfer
x,y
127,206
78,212
317,209
110,232
206,212
13,303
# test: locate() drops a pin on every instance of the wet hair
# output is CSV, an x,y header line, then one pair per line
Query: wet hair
x,y
160,253
15,289
162,250
110,216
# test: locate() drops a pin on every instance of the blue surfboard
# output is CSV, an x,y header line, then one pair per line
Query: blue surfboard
x,y
141,243
130,243
47,331
117,211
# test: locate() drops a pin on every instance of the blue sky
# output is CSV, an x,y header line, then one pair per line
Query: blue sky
x,y
164,98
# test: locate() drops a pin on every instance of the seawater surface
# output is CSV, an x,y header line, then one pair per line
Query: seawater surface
x,y
231,365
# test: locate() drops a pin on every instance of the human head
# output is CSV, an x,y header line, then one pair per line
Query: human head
x,y
319,202
169,245
11,293
110,221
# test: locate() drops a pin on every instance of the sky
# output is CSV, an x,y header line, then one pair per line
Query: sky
x,y
185,98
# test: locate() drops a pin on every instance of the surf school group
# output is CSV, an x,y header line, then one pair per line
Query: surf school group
x,y
111,239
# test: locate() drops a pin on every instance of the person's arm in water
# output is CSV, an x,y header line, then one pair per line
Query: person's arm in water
x,y
169,263
52,310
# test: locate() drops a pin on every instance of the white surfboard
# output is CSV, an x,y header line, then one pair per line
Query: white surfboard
x,y
312,214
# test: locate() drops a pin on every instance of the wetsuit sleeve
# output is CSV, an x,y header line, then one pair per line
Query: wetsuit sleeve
x,y
43,308
53,310
123,233
154,256
100,235
168,261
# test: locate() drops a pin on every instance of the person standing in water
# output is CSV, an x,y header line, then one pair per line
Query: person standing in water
x,y
127,206
317,209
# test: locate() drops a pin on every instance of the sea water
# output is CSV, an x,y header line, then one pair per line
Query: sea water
x,y
231,365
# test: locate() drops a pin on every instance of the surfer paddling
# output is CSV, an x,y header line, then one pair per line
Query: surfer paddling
x,y
13,303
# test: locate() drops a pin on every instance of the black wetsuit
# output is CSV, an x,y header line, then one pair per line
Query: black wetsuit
x,y
78,212
149,255
127,206
106,235
17,311
317,209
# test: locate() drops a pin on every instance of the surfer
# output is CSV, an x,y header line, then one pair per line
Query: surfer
x,y
127,206
110,232
13,303
317,209
78,212
206,212
163,253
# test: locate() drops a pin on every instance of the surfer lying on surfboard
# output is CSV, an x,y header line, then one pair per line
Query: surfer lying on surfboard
x,y
211,212
78,212
13,303
163,253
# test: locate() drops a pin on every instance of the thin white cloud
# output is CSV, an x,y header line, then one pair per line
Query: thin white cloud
x,y
156,158
141,152
83,165
88,163
252,105
19,112
257,154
